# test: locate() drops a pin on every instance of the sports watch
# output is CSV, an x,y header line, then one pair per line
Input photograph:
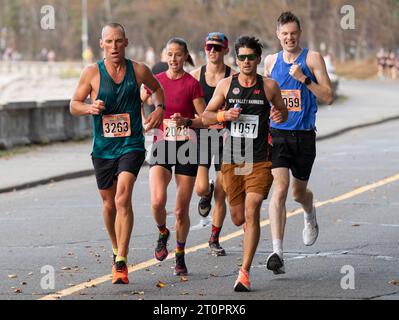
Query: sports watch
x,y
189,122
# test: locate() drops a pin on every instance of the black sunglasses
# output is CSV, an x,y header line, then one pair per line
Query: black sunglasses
x,y
216,47
250,57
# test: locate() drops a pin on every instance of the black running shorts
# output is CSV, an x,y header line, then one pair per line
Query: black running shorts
x,y
295,150
208,150
107,170
181,155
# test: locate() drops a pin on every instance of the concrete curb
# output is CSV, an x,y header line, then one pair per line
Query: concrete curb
x,y
85,173
358,126
66,176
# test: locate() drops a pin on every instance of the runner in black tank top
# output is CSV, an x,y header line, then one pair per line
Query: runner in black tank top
x,y
213,149
208,90
210,143
247,175
247,141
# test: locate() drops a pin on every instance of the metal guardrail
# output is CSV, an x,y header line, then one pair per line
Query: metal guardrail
x,y
24,123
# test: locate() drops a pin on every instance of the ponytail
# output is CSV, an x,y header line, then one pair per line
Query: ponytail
x,y
190,60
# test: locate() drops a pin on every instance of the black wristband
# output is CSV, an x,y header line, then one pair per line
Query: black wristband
x,y
161,105
189,122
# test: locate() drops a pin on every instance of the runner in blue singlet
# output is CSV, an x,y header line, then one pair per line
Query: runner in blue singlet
x,y
302,77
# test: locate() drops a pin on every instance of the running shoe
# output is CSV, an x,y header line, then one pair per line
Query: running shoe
x,y
275,263
119,273
180,269
215,247
204,205
113,264
242,283
161,251
311,230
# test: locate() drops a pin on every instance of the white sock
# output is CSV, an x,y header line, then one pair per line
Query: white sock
x,y
278,247
310,217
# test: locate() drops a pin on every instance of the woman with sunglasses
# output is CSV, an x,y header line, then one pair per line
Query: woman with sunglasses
x,y
208,75
173,148
246,167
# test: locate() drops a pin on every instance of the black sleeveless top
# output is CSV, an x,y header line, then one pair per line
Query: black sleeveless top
x,y
208,91
247,139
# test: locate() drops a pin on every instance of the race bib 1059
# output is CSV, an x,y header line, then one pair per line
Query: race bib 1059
x,y
292,99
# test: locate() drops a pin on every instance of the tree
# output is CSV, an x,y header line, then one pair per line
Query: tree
x,y
153,22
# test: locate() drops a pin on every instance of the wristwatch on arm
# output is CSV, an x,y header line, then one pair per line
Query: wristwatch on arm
x,y
307,81
189,122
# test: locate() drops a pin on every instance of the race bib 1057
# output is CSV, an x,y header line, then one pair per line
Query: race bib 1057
x,y
245,127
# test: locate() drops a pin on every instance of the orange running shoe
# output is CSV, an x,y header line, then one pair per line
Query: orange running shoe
x,y
119,273
242,283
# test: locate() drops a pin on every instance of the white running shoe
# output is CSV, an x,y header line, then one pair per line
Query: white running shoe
x,y
275,263
310,231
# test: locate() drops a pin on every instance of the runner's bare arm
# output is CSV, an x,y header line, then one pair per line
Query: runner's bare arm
x,y
145,76
270,60
209,116
200,106
322,89
218,99
145,96
77,106
143,119
266,71
278,112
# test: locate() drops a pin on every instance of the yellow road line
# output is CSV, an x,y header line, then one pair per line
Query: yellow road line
x,y
152,262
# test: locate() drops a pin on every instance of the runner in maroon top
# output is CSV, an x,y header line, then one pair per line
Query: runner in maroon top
x,y
174,148
181,95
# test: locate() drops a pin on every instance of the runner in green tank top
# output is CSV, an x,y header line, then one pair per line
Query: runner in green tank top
x,y
120,98
118,142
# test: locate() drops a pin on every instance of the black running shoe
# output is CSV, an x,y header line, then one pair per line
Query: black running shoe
x,y
161,251
204,205
275,264
180,269
215,247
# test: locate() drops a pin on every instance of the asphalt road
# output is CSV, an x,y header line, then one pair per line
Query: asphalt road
x,y
59,227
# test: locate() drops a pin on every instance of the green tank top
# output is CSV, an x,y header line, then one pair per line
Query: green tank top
x,y
122,98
